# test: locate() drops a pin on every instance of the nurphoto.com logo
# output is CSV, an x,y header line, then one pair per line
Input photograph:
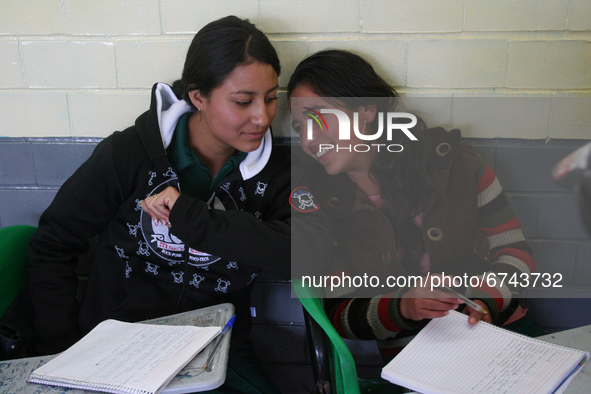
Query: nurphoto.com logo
x,y
344,132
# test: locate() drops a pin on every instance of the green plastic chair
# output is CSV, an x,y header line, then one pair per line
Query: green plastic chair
x,y
342,366
14,257
343,372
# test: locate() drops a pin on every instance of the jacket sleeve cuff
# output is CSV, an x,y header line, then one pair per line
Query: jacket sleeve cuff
x,y
178,215
396,316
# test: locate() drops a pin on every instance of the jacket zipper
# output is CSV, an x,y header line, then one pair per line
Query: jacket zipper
x,y
185,281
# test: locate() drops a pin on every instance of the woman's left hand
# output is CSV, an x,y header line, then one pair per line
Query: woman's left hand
x,y
476,316
159,205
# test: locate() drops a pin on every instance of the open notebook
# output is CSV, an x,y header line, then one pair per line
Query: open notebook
x,y
450,356
118,357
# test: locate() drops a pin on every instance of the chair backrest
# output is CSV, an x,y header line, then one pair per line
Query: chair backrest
x,y
342,365
14,257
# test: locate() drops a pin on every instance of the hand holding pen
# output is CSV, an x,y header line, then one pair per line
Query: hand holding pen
x,y
476,309
429,300
216,346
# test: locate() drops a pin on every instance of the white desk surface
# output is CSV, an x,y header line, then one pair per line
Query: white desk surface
x,y
14,373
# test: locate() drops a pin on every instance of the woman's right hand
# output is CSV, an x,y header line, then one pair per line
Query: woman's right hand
x,y
159,205
424,303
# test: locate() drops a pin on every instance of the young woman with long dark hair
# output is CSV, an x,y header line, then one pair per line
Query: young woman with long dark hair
x,y
429,206
189,205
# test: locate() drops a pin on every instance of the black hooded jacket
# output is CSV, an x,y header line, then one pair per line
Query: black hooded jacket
x,y
212,253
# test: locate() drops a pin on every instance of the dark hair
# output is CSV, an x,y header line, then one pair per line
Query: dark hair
x,y
217,49
403,179
337,73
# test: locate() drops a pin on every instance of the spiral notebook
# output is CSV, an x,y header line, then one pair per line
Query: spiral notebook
x,y
125,358
449,356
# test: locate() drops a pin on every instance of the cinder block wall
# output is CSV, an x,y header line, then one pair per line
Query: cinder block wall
x,y
74,68
73,71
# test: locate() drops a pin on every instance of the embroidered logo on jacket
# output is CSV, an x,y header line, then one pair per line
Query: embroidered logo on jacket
x,y
178,276
121,252
170,173
163,239
133,229
158,239
197,279
303,200
261,187
157,236
200,259
222,285
152,176
152,268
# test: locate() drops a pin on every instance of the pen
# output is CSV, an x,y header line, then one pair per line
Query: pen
x,y
465,299
207,366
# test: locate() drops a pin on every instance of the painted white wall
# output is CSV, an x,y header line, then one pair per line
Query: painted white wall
x,y
72,68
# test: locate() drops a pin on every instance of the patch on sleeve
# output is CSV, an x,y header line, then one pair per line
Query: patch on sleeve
x,y
303,200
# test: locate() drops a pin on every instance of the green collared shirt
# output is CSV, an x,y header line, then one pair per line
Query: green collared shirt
x,y
194,176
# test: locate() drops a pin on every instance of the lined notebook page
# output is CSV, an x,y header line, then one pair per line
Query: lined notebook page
x,y
450,356
118,357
